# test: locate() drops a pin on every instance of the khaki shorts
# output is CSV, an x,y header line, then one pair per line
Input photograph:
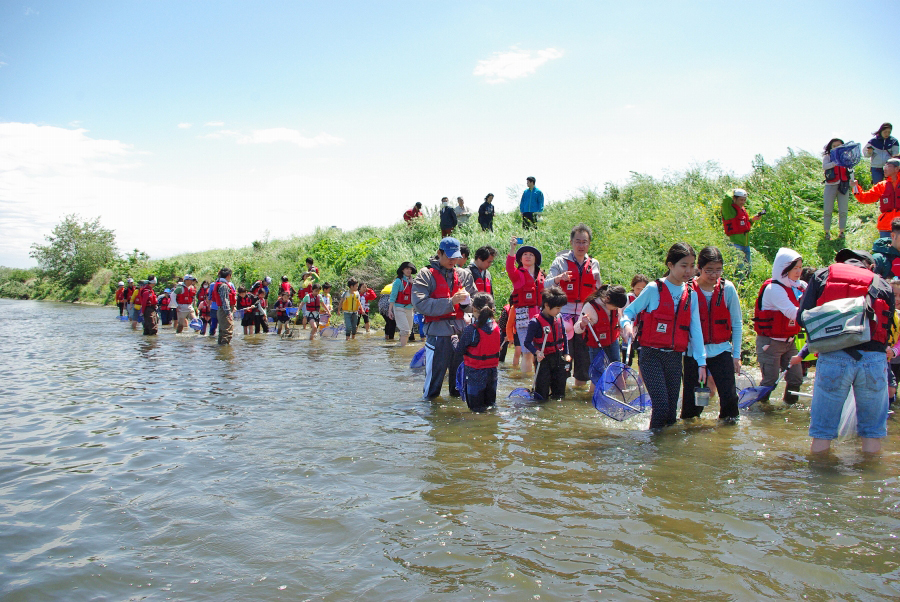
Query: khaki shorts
x,y
186,315
404,319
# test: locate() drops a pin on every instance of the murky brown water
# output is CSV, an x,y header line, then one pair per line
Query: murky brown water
x,y
171,468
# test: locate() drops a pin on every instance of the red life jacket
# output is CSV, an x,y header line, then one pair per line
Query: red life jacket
x,y
582,283
214,294
486,354
847,281
715,319
739,224
631,298
313,303
129,293
482,280
836,174
245,302
556,341
202,294
441,291
890,198
606,329
204,311
186,296
404,297
164,302
528,294
147,297
257,287
771,322
667,326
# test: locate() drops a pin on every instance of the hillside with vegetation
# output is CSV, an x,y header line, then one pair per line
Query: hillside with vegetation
x,y
634,225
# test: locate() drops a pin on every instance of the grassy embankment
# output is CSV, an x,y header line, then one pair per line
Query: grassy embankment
x,y
634,225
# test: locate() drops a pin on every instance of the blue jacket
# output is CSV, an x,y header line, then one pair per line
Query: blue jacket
x,y
532,201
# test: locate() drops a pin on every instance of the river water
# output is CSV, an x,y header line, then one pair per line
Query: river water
x,y
172,468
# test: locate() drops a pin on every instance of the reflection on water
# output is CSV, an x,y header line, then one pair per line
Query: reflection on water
x,y
171,467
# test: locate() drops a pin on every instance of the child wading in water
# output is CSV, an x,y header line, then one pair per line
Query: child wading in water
x,y
281,306
599,323
668,321
720,319
365,296
311,306
553,370
350,303
480,345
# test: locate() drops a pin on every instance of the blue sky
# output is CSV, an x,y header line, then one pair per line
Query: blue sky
x,y
192,125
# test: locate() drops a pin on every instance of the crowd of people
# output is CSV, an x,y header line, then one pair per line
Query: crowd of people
x,y
686,325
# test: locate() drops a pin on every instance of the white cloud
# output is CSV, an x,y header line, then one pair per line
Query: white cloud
x,y
271,135
214,124
2,64
515,63
184,126
26,148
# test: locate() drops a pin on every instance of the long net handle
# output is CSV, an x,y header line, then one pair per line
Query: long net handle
x,y
537,366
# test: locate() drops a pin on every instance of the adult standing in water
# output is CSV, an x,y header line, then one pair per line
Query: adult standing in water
x,y
879,149
737,221
862,366
484,257
400,301
524,270
886,193
532,202
148,306
486,214
440,292
837,187
224,295
579,277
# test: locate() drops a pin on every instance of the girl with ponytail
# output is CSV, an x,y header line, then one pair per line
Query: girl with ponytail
x,y
480,346
599,322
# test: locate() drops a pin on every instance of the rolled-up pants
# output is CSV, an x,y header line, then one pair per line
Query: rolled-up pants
x,y
226,326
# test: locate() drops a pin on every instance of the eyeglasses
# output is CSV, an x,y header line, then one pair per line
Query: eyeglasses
x,y
712,272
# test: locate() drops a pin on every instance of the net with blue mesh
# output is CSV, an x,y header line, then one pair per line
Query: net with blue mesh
x,y
846,155
598,366
461,381
196,324
418,360
620,393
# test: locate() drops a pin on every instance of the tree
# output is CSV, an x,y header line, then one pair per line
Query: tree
x,y
75,251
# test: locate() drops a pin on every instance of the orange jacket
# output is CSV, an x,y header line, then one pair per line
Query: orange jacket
x,y
872,195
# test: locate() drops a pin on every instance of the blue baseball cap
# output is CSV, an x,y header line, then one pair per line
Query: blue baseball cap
x,y
450,247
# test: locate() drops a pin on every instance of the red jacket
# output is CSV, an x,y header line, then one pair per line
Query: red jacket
x,y
887,194
486,354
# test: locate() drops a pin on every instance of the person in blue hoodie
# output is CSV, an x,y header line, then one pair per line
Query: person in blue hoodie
x,y
532,202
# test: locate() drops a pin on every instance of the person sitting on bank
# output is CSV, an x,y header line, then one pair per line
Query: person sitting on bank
x,y
886,253
737,221
411,214
441,292
886,193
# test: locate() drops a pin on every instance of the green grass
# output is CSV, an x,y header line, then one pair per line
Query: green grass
x,y
634,225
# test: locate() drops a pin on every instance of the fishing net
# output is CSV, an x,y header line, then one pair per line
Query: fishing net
x,y
743,381
747,397
525,394
620,393
847,426
196,324
418,360
461,381
846,155
598,366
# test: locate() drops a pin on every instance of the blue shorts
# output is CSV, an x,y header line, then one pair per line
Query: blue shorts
x,y
836,372
136,315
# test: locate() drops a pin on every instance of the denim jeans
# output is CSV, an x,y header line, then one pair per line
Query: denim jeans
x,y
877,174
836,373
745,250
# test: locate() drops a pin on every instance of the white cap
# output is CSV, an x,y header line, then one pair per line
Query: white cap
x,y
121,283
739,192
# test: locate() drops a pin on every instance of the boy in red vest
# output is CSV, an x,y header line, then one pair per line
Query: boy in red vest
x,y
546,331
147,300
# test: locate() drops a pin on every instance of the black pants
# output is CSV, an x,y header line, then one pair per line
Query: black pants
x,y
721,368
551,377
661,371
581,357
121,308
483,398
150,322
487,226
260,323
529,220
440,357
390,327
